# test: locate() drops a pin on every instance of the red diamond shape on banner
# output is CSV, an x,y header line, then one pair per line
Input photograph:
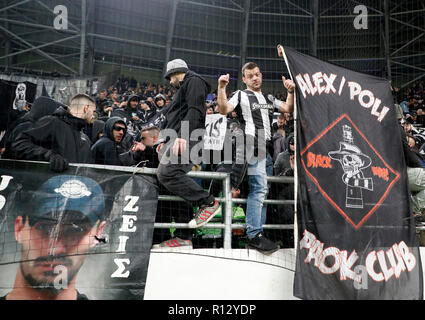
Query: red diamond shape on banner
x,y
352,165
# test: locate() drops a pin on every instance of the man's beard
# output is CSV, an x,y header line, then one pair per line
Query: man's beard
x,y
46,285
177,85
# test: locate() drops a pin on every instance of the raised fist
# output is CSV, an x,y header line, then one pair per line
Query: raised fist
x,y
223,81
288,84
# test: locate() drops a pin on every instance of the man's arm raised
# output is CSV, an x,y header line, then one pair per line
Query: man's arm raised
x,y
288,105
223,105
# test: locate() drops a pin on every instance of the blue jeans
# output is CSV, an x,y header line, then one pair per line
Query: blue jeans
x,y
256,211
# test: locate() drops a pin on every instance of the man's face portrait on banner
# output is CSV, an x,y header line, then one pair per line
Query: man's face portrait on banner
x,y
56,235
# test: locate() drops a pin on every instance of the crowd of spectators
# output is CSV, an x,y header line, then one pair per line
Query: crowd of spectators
x,y
411,110
129,115
123,129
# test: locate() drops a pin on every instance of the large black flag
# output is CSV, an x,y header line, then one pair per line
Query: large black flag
x,y
83,234
356,232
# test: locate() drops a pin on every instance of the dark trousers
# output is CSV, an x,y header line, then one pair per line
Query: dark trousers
x,y
174,178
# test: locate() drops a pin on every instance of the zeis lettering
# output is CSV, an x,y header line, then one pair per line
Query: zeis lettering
x,y
398,255
128,226
322,83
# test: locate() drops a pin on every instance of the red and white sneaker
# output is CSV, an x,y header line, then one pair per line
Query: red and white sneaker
x,y
174,243
204,215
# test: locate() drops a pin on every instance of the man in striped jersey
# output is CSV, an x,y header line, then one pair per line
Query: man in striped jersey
x,y
255,113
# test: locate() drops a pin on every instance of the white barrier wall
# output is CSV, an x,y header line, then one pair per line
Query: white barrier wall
x,y
211,274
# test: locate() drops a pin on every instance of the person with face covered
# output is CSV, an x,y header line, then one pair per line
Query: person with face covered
x,y
65,221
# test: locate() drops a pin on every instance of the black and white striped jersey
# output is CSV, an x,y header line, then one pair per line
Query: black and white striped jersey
x,y
255,112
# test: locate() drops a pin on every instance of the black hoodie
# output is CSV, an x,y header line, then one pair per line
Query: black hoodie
x,y
60,133
189,104
282,165
106,150
43,106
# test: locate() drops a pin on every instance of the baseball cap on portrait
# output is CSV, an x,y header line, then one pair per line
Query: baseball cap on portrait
x,y
61,194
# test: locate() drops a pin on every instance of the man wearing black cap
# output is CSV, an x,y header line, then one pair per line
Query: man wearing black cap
x,y
55,234
186,113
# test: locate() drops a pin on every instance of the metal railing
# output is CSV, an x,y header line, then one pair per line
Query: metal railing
x,y
226,200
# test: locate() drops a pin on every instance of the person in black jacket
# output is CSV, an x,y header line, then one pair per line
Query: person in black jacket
x,y
131,114
415,173
42,106
160,101
108,148
148,111
186,113
58,138
112,148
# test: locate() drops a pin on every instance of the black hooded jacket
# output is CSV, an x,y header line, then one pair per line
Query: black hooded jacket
x,y
60,133
127,114
282,165
106,150
43,106
188,104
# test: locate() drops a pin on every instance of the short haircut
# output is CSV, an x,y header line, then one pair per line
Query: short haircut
x,y
81,99
151,130
249,66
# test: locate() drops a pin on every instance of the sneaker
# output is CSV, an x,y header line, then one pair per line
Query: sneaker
x,y
204,215
174,243
262,244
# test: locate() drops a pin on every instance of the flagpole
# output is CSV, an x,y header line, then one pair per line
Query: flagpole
x,y
296,154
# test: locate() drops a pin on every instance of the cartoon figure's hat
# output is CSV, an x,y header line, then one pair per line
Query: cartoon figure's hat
x,y
350,149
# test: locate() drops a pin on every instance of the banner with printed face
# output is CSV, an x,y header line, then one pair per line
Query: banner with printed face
x,y
356,231
82,234
13,97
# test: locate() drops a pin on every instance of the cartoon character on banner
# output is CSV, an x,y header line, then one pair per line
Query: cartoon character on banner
x,y
353,161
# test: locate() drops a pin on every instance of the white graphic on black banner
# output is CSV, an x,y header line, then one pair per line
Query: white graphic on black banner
x,y
20,97
353,161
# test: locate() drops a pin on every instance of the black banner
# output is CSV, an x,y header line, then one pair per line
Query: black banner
x,y
12,97
356,232
84,234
